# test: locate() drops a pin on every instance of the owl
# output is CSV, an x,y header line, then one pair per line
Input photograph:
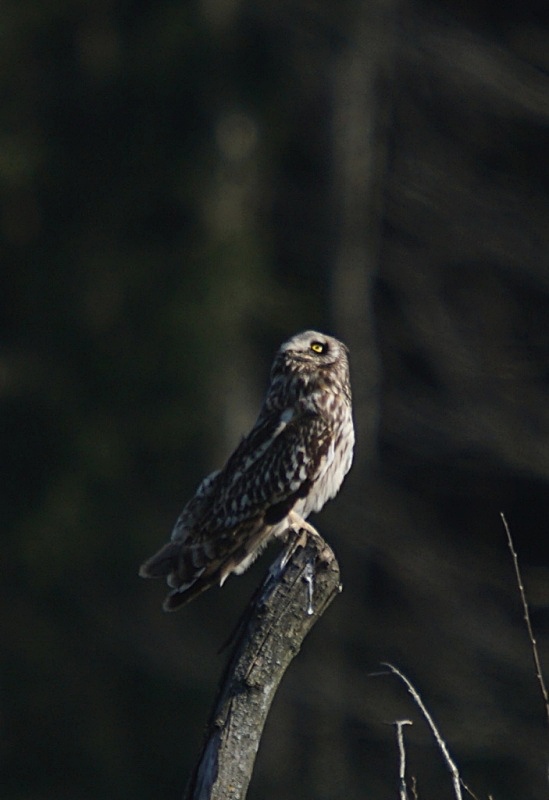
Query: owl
x,y
292,461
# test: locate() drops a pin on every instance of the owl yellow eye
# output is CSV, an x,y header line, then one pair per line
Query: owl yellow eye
x,y
318,347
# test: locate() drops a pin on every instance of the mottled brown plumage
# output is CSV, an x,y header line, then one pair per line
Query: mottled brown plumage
x,y
293,460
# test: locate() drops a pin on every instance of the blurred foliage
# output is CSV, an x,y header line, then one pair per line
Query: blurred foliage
x,y
182,186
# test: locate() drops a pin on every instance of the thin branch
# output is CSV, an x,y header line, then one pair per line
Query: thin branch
x,y
450,763
399,724
415,793
533,642
270,635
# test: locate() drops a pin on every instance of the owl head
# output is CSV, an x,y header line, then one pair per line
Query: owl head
x,y
311,353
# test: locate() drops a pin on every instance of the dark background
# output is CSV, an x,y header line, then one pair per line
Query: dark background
x,y
184,185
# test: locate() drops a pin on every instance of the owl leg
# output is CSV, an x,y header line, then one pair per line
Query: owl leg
x,y
296,536
297,523
300,530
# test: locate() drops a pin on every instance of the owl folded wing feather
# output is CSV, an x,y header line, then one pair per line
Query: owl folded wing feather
x,y
270,470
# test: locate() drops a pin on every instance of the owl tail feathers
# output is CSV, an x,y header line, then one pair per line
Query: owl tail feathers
x,y
184,594
162,563
177,566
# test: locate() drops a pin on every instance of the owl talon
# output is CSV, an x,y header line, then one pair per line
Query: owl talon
x,y
298,524
291,547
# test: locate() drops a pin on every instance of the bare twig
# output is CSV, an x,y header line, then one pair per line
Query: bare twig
x,y
450,763
533,642
399,724
415,793
277,620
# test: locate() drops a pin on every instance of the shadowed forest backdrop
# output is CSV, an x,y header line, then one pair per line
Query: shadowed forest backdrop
x,y
184,185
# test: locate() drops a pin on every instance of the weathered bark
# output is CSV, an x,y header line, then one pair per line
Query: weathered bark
x,y
295,593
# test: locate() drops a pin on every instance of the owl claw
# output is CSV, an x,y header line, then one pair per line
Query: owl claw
x,y
297,538
298,524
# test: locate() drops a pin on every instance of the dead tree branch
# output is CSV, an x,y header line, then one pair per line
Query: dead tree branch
x,y
402,790
295,593
526,613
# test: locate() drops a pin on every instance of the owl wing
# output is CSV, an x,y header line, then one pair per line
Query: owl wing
x,y
274,466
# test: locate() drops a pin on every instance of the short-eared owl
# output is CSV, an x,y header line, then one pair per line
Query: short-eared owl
x,y
293,460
